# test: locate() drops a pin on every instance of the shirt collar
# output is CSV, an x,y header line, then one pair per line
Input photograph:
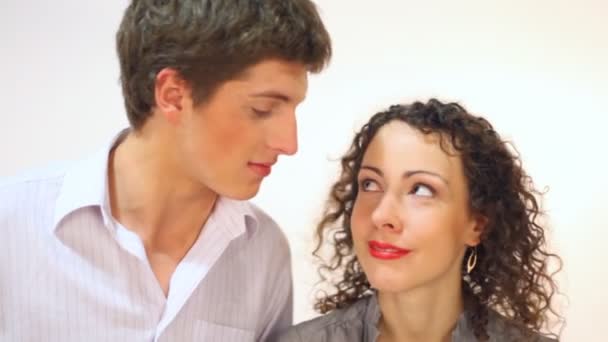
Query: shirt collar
x,y
85,184
236,217
373,314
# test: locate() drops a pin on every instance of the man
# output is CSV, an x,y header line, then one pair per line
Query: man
x,y
151,239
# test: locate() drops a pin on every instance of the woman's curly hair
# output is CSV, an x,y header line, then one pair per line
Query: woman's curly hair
x,y
511,276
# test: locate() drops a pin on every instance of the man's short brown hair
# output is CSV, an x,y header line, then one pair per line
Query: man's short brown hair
x,y
211,41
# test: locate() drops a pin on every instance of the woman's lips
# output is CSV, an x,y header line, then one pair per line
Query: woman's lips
x,y
386,251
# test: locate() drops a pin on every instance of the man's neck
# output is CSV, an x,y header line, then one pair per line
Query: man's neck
x,y
150,196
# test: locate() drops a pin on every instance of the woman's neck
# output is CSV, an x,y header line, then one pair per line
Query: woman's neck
x,y
428,313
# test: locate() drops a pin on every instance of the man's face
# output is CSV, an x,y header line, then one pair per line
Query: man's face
x,y
230,142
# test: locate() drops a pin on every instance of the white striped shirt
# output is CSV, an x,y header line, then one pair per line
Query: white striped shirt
x,y
70,272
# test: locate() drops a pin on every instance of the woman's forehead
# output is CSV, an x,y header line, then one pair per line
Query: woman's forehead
x,y
398,145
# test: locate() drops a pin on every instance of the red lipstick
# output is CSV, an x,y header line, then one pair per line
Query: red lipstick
x,y
386,251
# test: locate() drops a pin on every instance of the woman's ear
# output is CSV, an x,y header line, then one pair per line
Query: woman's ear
x,y
477,227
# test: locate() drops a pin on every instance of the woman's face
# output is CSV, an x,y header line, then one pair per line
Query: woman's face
x,y
411,221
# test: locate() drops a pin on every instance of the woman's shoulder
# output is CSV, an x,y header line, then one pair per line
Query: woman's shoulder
x,y
503,329
346,324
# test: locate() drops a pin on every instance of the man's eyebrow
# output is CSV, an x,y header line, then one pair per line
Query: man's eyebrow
x,y
273,94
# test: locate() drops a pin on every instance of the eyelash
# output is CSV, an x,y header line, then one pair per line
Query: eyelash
x,y
416,185
363,182
261,113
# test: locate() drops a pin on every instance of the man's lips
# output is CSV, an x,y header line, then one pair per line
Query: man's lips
x,y
386,251
262,169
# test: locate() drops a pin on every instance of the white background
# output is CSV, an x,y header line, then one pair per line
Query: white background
x,y
537,69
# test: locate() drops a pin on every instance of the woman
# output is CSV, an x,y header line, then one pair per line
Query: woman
x,y
434,235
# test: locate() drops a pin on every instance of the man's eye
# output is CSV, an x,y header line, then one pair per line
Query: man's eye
x,y
261,113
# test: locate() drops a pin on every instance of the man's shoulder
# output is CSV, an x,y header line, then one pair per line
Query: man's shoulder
x,y
30,196
32,184
47,173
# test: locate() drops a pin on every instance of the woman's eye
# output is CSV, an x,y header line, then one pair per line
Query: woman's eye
x,y
369,185
422,190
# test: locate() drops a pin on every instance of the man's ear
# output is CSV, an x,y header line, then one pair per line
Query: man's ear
x,y
170,92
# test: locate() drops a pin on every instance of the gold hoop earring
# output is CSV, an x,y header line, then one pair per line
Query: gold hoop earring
x,y
472,260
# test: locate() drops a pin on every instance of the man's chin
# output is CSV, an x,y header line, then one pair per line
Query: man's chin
x,y
244,193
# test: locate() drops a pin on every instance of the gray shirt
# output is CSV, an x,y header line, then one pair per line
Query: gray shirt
x,y
359,322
